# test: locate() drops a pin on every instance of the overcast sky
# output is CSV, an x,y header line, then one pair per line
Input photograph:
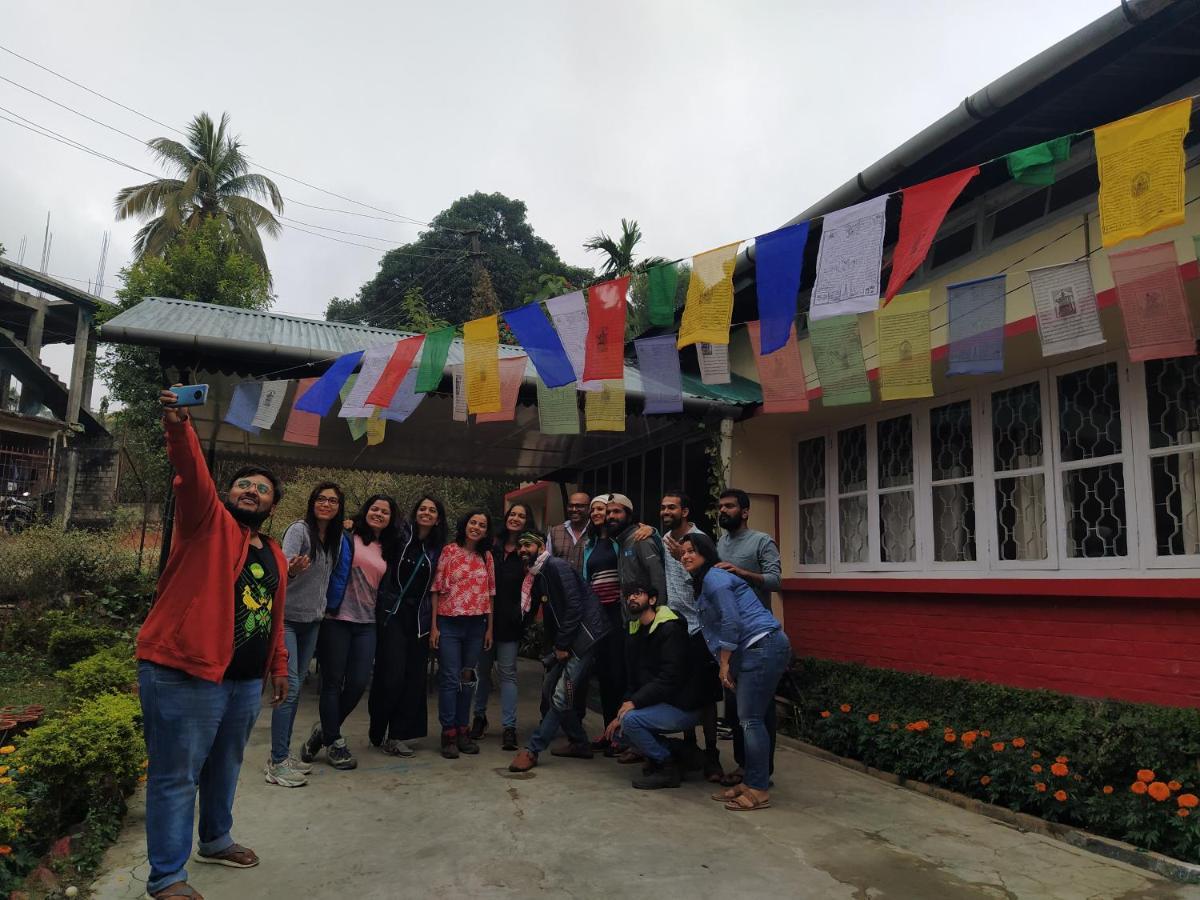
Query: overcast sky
x,y
707,122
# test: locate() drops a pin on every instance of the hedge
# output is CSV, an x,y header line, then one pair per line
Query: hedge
x,y
110,671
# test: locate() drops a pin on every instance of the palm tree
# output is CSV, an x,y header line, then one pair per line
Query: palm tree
x,y
213,180
620,253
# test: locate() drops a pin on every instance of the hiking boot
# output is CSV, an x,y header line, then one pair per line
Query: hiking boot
x,y
523,761
339,755
465,743
573,751
282,774
393,747
712,766
478,728
449,745
311,747
296,765
509,740
661,775
629,757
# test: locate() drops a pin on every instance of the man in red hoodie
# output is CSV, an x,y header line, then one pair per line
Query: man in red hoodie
x,y
214,633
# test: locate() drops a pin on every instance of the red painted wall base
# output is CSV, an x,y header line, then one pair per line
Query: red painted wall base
x,y
1139,649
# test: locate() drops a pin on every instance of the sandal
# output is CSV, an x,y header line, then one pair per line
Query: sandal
x,y
730,779
178,889
746,802
728,795
235,856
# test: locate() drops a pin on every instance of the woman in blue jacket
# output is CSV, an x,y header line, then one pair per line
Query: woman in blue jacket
x,y
403,615
753,652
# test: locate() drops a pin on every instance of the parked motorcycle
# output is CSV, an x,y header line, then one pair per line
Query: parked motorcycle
x,y
16,512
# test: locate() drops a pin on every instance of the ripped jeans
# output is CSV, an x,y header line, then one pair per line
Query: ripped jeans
x,y
459,647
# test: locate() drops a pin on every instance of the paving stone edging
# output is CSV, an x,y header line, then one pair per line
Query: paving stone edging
x,y
1167,866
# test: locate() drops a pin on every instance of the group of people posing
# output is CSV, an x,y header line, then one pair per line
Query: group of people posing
x,y
663,624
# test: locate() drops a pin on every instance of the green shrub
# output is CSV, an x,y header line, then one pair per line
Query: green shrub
x,y
1063,758
45,562
109,671
74,641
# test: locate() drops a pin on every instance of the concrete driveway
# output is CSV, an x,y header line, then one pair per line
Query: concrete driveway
x,y
428,827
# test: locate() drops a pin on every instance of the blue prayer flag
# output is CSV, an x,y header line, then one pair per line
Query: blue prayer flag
x,y
244,405
662,384
319,398
534,332
778,261
976,318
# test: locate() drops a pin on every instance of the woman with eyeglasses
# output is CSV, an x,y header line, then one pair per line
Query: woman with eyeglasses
x,y
347,647
311,546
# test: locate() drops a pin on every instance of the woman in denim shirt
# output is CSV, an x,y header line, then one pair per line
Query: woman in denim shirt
x,y
753,652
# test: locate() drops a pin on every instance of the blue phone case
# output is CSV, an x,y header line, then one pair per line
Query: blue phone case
x,y
191,395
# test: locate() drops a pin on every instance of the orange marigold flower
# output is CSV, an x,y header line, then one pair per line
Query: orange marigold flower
x,y
1182,813
1041,787
1061,759
845,707
1108,789
825,714
1018,742
950,737
998,746
7,779
985,734
1035,769
1174,785
985,780
1059,769
873,717
1145,775
1188,800
919,725
1060,796
1138,787
1035,754
949,773
7,749
5,850
969,737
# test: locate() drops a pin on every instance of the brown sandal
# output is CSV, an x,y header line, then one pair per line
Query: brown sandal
x,y
235,856
179,889
729,794
746,802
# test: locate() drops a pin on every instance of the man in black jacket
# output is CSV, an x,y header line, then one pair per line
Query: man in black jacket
x,y
577,623
662,696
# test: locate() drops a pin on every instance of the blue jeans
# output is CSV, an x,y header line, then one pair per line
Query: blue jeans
x,y
196,732
504,653
757,671
301,641
459,647
642,727
566,678
346,652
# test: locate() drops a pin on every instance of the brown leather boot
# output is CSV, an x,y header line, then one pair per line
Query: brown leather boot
x,y
523,761
450,744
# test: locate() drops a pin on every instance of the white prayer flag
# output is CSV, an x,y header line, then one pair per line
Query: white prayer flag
x,y
1065,303
714,363
270,401
460,393
848,260
570,318
373,362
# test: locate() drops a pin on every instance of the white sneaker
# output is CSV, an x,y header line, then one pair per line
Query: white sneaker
x,y
394,747
297,766
283,775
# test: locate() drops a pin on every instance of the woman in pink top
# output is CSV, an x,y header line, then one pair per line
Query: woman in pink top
x,y
462,625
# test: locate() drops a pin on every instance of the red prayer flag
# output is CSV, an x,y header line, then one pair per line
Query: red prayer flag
x,y
780,375
393,373
302,427
605,349
1153,302
925,206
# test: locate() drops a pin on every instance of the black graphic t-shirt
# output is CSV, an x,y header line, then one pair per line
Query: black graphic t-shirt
x,y
253,598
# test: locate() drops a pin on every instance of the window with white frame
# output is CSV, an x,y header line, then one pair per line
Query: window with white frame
x,y
897,490
1173,430
853,509
811,491
1019,472
952,482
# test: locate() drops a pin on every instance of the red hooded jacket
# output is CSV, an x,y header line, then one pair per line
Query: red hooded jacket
x,y
190,625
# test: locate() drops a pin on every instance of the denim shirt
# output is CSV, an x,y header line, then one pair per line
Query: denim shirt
x,y
730,613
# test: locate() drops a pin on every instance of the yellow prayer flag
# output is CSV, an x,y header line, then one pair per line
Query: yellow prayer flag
x,y
605,408
1140,160
481,361
902,329
376,427
709,304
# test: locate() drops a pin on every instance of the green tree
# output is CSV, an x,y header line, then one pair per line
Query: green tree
x,y
212,180
206,264
620,258
441,264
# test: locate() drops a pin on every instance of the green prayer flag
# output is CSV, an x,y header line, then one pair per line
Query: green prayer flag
x,y
558,409
663,281
357,426
433,359
1036,164
838,354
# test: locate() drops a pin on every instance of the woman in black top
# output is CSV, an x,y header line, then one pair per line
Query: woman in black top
x,y
403,615
510,614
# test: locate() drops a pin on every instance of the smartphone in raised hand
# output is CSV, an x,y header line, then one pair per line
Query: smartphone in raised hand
x,y
190,395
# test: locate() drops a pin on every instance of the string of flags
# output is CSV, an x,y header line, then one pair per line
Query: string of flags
x,y
576,342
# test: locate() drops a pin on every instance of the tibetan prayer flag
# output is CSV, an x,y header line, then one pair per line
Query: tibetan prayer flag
x,y
976,319
709,304
512,373
459,381
1064,302
302,427
405,400
270,401
848,260
319,399
714,363
925,206
1153,303
434,351
481,364
534,332
663,282
905,363
605,349
605,408
570,317
1036,164
398,363
838,355
356,424
778,260
662,383
558,409
358,427
376,429
1140,160
243,405
781,375
354,398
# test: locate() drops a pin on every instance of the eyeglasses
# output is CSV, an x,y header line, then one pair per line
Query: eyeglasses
x,y
245,484
577,506
326,501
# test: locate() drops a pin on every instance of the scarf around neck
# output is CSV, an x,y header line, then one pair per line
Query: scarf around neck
x,y
527,584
